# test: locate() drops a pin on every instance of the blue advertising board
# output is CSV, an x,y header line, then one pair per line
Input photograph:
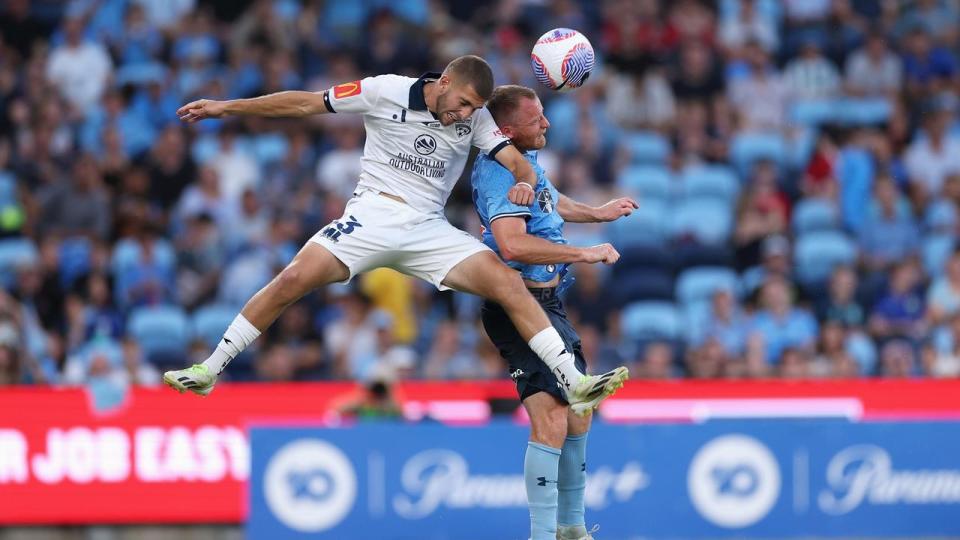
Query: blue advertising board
x,y
743,479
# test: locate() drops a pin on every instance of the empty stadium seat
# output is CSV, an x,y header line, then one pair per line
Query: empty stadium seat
x,y
15,252
650,320
935,251
639,256
813,113
162,331
747,148
699,284
209,322
644,227
646,182
815,214
708,221
711,181
75,256
647,147
816,254
643,284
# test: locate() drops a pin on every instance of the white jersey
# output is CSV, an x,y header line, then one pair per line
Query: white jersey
x,y
408,152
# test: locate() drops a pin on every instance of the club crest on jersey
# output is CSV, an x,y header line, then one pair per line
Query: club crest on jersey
x,y
463,129
425,145
346,89
545,200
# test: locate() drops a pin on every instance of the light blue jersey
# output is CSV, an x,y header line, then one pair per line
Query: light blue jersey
x,y
491,181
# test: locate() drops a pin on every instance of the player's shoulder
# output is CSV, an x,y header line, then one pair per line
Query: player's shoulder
x,y
486,168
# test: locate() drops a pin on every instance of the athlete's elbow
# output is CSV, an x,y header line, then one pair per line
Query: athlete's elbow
x,y
509,252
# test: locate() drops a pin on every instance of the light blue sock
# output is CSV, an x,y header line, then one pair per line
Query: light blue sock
x,y
572,481
540,472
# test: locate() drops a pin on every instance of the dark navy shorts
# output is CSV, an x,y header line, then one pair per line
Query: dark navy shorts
x,y
526,368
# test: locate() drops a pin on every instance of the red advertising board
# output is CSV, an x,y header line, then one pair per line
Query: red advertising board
x,y
167,458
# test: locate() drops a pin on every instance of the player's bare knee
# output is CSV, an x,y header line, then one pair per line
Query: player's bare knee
x,y
289,285
549,426
577,425
509,289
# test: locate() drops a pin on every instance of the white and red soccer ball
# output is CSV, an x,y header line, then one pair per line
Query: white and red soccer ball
x,y
562,59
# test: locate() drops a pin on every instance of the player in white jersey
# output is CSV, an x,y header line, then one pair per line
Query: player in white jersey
x,y
419,133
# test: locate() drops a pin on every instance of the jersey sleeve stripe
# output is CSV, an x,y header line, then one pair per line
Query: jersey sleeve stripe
x,y
510,214
326,101
498,148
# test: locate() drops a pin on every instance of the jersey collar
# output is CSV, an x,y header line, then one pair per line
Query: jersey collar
x,y
417,103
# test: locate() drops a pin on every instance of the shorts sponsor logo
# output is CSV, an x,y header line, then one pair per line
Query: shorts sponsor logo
x,y
345,90
310,485
734,481
425,145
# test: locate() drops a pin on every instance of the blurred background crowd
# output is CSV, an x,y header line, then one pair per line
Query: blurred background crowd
x,y
797,165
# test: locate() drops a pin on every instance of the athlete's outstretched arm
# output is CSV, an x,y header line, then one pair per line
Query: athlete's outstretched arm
x,y
522,192
577,212
517,245
291,103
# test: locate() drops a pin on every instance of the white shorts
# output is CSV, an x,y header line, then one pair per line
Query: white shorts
x,y
376,231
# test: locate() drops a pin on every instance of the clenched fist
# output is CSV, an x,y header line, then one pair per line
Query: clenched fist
x,y
604,253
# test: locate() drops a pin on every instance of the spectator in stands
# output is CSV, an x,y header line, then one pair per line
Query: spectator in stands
x,y
900,312
874,70
943,296
898,360
889,233
375,403
759,99
840,304
656,362
296,331
811,76
707,361
942,357
78,207
794,364
748,25
726,324
931,158
833,359
79,68
928,68
762,212
641,99
780,324
450,357
277,363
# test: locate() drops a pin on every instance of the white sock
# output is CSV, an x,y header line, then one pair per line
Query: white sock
x,y
548,345
238,337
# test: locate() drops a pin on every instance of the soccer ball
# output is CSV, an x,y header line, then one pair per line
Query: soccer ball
x,y
562,59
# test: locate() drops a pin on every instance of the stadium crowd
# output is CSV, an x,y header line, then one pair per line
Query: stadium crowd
x,y
797,165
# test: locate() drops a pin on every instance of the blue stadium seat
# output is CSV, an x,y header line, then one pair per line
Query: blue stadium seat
x,y
647,147
711,181
75,261
813,113
708,221
209,322
650,320
646,182
643,284
699,284
864,111
638,256
747,148
941,216
162,331
691,256
15,252
815,214
935,251
269,147
816,254
643,227
695,316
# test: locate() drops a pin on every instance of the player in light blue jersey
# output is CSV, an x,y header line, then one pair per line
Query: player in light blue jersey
x,y
530,240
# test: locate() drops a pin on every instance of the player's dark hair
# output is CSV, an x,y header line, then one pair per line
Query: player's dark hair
x,y
505,100
474,71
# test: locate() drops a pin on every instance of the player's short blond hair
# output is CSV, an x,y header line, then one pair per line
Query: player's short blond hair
x,y
505,100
